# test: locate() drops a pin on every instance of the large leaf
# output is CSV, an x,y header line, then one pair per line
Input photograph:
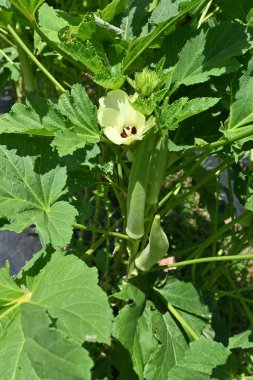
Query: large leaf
x,y
154,340
29,198
199,361
182,109
142,43
183,295
68,290
171,348
73,121
211,53
130,316
27,7
52,355
58,310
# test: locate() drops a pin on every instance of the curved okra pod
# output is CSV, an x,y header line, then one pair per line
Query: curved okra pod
x,y
157,169
156,249
137,186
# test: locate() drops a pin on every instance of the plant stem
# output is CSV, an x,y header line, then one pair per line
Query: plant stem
x,y
205,260
216,213
225,141
182,322
100,231
27,71
35,60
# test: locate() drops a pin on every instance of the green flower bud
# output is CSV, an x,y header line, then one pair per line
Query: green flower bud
x,y
145,82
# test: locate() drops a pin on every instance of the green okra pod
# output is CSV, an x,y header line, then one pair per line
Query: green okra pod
x,y
157,168
137,188
156,249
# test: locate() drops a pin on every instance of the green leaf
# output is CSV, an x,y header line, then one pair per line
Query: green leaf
x,y
183,295
81,115
243,340
27,7
42,331
241,110
129,316
51,354
6,17
14,361
32,199
155,341
134,24
210,53
165,10
37,117
199,361
171,348
142,43
148,105
85,53
83,31
51,21
8,288
182,109
114,8
68,289
73,121
111,77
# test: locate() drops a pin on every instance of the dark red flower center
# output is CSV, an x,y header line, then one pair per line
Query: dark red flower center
x,y
128,130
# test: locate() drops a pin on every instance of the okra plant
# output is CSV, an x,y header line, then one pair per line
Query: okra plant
x,y
129,149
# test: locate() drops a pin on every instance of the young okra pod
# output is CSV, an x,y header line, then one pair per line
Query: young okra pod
x,y
137,189
156,249
157,168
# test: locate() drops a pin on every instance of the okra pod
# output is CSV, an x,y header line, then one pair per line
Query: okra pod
x,y
157,169
137,189
156,249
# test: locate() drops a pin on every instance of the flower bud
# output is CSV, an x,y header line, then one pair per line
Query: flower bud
x,y
145,82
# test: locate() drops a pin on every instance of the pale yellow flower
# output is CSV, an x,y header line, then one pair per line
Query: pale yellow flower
x,y
122,123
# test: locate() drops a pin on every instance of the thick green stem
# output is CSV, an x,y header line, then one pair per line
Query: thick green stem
x,y
27,71
35,60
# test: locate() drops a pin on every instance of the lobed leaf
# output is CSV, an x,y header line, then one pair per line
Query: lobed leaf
x,y
29,198
73,121
182,109
41,334
210,53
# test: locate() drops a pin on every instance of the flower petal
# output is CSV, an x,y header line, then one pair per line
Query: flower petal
x,y
109,117
113,135
118,100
